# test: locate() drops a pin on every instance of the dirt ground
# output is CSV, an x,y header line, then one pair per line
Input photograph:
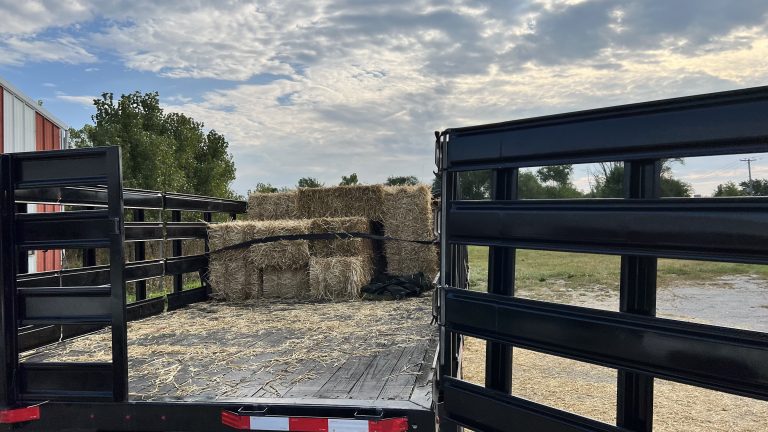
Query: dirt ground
x,y
735,301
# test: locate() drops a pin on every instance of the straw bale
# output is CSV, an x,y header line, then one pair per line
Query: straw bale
x,y
286,284
408,215
272,206
227,269
340,247
341,201
339,278
283,254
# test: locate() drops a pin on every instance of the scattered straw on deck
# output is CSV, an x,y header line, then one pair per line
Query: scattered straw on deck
x,y
181,352
340,247
339,278
272,206
341,201
408,215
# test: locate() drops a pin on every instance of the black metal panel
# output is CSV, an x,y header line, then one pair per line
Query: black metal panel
x,y
716,229
185,264
65,381
145,308
95,196
71,305
76,229
729,122
485,410
178,300
8,300
35,336
92,276
726,359
143,231
186,230
175,201
77,167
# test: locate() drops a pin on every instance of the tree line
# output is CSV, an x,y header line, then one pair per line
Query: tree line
x,y
350,180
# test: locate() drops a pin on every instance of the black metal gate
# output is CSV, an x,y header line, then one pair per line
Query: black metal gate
x,y
640,227
102,304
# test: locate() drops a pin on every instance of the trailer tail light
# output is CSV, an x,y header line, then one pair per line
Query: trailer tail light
x,y
312,424
19,415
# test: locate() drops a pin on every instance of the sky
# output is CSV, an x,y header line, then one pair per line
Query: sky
x,y
324,88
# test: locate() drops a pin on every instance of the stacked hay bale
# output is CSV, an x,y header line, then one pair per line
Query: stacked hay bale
x,y
408,215
328,269
272,206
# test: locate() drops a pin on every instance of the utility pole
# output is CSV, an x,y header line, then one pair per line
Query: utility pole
x,y
749,170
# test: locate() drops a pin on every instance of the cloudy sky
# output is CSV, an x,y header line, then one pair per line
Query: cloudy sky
x,y
328,87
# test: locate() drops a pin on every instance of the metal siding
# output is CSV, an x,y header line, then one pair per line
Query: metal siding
x,y
8,122
19,125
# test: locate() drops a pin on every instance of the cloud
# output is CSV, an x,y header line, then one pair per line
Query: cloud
x,y
328,87
79,100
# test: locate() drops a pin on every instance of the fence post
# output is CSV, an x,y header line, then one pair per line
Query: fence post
x,y
178,280
204,272
8,259
140,254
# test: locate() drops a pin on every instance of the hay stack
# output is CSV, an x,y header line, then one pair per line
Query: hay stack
x,y
272,206
293,283
408,215
341,201
339,278
340,247
281,255
228,275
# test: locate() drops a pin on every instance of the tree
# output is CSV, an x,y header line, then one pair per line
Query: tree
x,y
310,182
728,189
609,181
349,180
758,187
160,151
402,181
557,174
265,188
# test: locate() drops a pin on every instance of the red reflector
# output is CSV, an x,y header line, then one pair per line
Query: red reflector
x,y
307,424
235,421
388,425
19,415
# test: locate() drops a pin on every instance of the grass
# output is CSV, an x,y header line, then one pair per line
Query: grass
x,y
537,270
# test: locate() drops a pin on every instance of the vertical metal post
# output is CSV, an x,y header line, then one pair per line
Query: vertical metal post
x,y
233,216
8,307
89,255
116,276
178,280
501,280
637,295
204,272
140,254
23,264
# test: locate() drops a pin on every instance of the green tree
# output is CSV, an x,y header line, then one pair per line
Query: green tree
x,y
528,186
402,181
265,188
310,182
728,189
160,151
557,174
349,180
609,181
758,187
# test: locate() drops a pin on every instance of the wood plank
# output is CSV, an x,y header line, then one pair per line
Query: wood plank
x,y
309,387
375,376
341,383
400,384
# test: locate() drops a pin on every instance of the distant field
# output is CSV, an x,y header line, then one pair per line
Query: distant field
x,y
539,269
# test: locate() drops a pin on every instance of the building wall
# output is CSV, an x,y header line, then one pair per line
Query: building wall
x,y
23,129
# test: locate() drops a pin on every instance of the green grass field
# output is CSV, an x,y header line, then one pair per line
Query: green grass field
x,y
539,269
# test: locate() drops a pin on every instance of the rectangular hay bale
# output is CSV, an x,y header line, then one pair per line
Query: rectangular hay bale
x,y
408,215
339,278
272,206
286,284
227,269
283,254
340,247
341,201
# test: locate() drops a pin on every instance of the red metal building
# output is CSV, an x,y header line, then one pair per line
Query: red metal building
x,y
27,126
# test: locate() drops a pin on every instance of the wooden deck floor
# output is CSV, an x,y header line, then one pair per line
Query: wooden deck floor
x,y
354,350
